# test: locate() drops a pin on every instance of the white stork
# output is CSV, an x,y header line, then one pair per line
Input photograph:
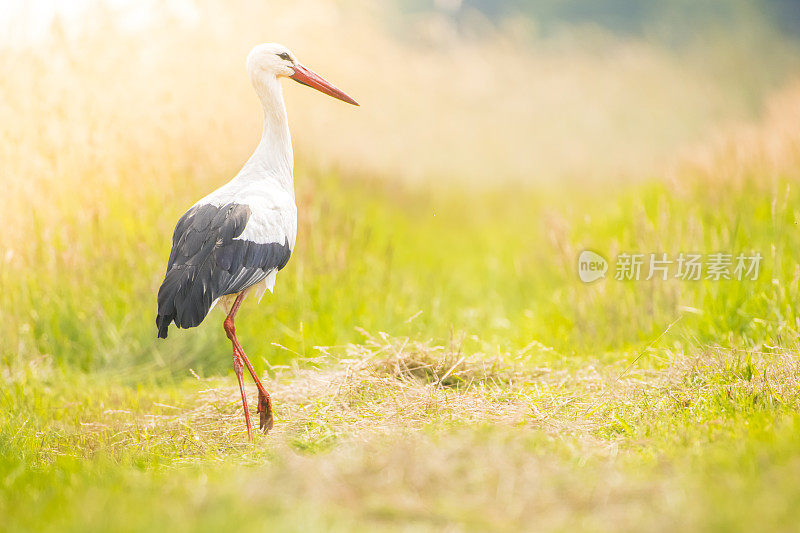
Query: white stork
x,y
239,236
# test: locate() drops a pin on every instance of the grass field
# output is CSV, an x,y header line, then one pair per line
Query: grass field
x,y
436,362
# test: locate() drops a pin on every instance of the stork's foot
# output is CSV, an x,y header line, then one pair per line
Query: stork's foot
x,y
265,420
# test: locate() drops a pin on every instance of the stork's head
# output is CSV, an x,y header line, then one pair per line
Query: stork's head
x,y
269,61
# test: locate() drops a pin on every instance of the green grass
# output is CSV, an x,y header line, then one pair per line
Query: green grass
x,y
497,268
592,414
376,443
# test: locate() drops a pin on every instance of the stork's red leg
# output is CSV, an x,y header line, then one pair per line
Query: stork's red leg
x,y
265,420
264,400
237,367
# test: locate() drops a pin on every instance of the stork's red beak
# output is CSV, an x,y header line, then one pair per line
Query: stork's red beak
x,y
313,80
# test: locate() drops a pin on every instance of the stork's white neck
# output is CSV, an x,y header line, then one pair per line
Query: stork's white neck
x,y
273,158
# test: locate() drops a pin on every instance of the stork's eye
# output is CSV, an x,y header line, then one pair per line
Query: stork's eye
x,y
285,56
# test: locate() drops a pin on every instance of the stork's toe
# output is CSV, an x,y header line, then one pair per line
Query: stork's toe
x,y
265,419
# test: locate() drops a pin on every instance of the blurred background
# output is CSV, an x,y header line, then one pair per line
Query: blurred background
x,y
477,91
495,141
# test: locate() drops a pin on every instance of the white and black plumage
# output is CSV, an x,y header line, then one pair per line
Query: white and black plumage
x,y
238,237
211,259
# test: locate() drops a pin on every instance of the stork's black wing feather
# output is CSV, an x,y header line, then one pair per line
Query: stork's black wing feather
x,y
208,261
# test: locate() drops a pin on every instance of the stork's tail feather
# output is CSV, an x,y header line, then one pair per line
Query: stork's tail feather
x,y
182,300
163,322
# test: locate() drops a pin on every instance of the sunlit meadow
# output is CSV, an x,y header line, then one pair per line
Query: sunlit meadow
x,y
435,359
